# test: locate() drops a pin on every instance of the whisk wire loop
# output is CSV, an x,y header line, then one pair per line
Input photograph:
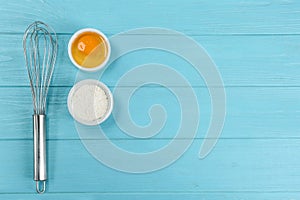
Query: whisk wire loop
x,y
40,50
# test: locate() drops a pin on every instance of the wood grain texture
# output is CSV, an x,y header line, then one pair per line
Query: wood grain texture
x,y
252,113
241,61
160,196
255,45
233,166
192,16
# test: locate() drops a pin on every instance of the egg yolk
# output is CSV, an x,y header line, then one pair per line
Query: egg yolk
x,y
89,49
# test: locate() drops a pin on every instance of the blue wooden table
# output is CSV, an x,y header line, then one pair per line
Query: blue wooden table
x,y
255,46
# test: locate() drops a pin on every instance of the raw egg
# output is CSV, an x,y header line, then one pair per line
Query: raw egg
x,y
89,49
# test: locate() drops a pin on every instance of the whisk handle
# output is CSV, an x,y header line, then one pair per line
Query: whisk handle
x,y
39,140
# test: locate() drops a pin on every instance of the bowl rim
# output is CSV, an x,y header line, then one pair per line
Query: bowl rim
x,y
107,92
75,35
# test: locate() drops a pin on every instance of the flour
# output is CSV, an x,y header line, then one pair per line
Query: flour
x,y
89,103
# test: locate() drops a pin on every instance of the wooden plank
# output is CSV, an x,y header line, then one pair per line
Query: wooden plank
x,y
251,113
192,16
159,196
235,165
241,61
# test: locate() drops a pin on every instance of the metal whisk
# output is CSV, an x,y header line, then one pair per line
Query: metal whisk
x,y
40,48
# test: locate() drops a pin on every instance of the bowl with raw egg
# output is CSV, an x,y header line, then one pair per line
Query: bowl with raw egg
x,y
89,49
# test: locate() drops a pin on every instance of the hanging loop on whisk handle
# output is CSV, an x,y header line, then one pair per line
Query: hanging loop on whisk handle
x,y
39,140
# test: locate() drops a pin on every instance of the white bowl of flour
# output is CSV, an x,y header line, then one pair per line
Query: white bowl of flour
x,y
90,102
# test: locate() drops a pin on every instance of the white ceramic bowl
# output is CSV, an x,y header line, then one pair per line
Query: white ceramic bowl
x,y
106,91
72,39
